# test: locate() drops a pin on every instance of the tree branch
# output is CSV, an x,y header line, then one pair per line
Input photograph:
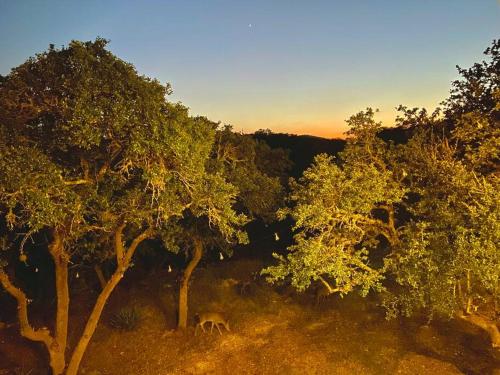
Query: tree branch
x,y
41,335
119,243
102,171
85,167
133,246
81,181
328,286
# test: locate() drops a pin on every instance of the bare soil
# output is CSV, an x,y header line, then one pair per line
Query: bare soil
x,y
273,331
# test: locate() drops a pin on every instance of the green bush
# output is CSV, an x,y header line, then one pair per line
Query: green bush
x,y
127,318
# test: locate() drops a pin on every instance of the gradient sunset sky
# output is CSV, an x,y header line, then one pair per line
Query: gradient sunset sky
x,y
290,66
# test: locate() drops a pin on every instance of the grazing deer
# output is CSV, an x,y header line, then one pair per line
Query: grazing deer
x,y
215,318
322,293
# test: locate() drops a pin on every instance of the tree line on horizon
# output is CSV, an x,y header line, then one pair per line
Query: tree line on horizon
x,y
95,162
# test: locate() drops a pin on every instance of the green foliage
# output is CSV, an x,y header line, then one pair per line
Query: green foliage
x,y
216,198
480,137
364,146
254,168
237,188
473,110
93,155
88,144
417,118
126,318
334,212
441,188
32,190
450,259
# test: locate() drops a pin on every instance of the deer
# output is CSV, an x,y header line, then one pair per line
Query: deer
x,y
215,318
323,291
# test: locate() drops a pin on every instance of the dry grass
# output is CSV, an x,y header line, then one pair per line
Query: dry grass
x,y
271,333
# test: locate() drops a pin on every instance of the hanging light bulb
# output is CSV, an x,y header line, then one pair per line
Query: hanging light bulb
x,y
221,257
276,237
77,275
23,258
169,268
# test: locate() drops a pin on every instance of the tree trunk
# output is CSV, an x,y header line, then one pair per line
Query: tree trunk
x,y
56,343
91,325
57,361
57,348
123,258
100,276
183,290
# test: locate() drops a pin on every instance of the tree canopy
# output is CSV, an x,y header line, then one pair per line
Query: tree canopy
x,y
96,159
94,155
334,209
433,200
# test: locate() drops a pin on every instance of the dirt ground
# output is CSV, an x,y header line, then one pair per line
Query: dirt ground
x,y
273,331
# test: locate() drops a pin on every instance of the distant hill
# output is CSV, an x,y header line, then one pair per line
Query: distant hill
x,y
303,148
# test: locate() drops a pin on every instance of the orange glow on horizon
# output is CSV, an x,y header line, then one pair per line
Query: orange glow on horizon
x,y
330,129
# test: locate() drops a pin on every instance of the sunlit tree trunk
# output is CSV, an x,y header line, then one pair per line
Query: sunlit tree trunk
x,y
389,230
123,258
495,300
100,276
91,325
468,307
55,343
184,287
58,346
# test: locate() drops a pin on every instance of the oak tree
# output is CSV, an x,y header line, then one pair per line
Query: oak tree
x,y
90,152
246,185
340,210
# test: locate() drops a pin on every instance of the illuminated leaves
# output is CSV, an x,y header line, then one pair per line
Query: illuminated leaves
x,y
333,209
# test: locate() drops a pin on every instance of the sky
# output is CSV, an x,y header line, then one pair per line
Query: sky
x,y
287,65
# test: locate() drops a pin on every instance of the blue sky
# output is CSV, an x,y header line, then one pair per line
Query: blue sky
x,y
292,66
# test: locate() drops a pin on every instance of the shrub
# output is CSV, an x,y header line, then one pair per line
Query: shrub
x,y
127,318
